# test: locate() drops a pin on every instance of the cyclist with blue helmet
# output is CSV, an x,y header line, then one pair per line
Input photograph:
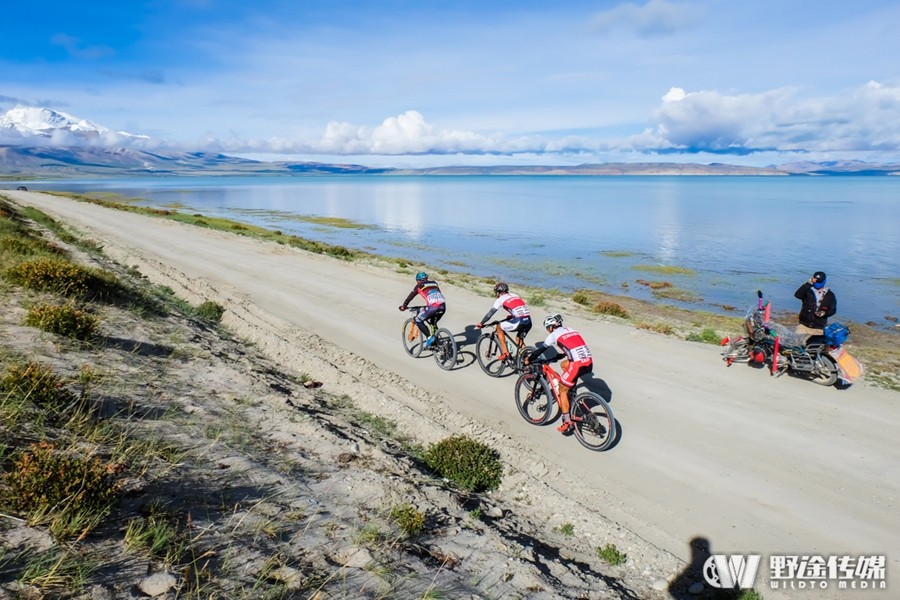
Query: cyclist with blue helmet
x,y
435,304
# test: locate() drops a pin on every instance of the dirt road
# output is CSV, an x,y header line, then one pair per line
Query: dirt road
x,y
754,464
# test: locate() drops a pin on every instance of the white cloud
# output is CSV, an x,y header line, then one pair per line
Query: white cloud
x,y
864,119
656,17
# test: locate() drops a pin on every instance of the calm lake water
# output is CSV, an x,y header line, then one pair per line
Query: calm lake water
x,y
729,235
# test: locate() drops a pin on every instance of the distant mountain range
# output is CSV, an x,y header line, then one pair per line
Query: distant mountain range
x,y
39,142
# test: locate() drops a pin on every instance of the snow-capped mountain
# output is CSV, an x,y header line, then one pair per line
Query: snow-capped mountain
x,y
29,122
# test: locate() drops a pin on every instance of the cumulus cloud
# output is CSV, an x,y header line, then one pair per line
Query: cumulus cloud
x,y
864,119
406,134
655,18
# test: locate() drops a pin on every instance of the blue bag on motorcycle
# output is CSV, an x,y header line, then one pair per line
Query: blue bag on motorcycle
x,y
836,334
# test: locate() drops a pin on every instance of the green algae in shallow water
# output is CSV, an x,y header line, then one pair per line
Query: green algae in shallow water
x,y
617,253
339,222
673,293
666,269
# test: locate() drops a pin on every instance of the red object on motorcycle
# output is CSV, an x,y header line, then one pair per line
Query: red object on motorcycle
x,y
775,354
759,357
725,340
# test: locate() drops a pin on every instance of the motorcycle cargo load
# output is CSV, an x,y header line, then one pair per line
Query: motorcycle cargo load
x,y
836,334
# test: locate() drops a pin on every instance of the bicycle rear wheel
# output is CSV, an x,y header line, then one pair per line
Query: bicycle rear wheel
x,y
595,425
413,340
534,398
488,352
444,349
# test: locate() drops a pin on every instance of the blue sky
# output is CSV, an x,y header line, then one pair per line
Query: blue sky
x,y
412,83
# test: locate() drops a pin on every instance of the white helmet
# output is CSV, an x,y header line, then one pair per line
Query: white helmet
x,y
552,321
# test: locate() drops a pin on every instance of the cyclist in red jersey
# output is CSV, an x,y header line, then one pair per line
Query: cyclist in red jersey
x,y
577,362
435,304
519,319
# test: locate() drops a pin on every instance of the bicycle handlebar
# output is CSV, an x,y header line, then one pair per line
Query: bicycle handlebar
x,y
492,323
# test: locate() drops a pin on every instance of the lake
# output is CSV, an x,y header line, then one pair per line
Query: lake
x,y
716,240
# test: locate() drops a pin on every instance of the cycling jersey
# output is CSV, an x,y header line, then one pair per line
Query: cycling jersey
x,y
430,293
569,342
513,304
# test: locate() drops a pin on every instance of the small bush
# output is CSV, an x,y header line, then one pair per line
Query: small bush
x,y
610,308
611,554
581,298
210,311
65,320
411,521
51,275
63,277
25,246
70,492
663,328
707,336
36,383
537,299
470,464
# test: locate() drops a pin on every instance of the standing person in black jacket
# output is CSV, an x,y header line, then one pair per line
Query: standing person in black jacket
x,y
819,303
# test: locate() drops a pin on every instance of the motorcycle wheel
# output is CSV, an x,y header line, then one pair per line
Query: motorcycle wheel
x,y
825,371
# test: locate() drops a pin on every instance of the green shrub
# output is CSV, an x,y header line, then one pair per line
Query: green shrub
x,y
582,298
411,521
25,246
610,308
210,311
537,299
63,277
51,275
470,464
37,384
611,554
69,492
65,320
707,336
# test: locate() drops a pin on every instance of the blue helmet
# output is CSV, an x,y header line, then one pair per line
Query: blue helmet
x,y
421,276
819,280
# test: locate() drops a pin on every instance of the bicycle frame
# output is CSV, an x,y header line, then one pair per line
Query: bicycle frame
x,y
554,379
593,422
430,322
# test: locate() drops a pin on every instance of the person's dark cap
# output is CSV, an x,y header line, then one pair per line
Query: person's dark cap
x,y
819,277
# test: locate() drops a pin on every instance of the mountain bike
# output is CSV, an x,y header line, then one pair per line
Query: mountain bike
x,y
444,349
537,389
493,358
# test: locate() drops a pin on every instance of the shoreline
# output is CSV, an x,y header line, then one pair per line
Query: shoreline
x,y
615,274
692,429
878,347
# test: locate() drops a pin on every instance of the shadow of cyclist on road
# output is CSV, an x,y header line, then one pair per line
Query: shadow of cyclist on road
x,y
592,383
690,584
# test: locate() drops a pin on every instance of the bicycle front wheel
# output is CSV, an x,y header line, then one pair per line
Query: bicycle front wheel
x,y
413,340
521,355
534,398
595,425
489,352
444,349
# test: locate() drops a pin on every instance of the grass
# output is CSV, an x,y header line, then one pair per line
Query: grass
x,y
706,336
611,555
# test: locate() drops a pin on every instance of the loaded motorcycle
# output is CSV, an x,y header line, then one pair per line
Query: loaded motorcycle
x,y
819,358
